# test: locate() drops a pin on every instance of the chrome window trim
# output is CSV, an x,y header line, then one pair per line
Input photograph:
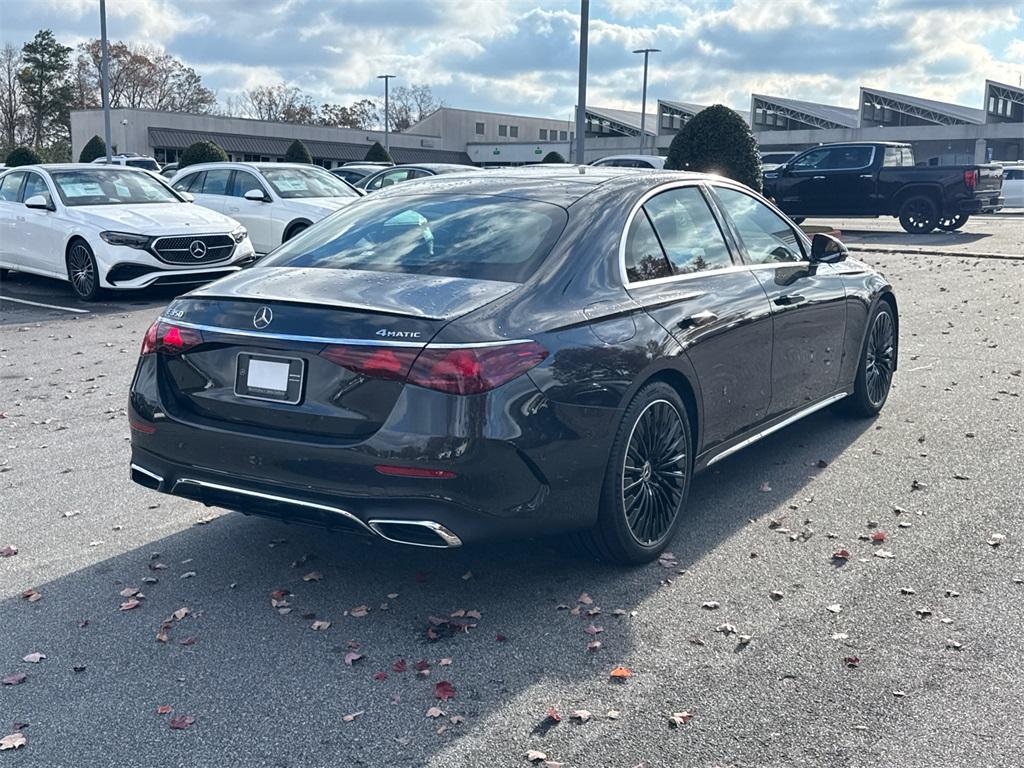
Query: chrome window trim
x,y
792,166
333,340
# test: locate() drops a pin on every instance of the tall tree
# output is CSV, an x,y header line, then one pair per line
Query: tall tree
x,y
360,114
46,85
280,103
409,105
12,113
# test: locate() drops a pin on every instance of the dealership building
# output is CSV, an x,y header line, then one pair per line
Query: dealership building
x,y
941,133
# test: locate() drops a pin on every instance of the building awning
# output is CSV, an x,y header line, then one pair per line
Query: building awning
x,y
273,146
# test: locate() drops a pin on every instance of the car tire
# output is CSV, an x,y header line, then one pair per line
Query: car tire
x,y
953,223
642,504
83,273
293,230
876,366
919,214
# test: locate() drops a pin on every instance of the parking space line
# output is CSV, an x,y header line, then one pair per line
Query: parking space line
x,y
47,306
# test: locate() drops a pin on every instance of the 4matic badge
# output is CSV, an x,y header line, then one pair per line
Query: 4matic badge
x,y
398,334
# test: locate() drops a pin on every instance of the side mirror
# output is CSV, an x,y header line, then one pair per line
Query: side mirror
x,y
40,202
255,195
826,249
188,197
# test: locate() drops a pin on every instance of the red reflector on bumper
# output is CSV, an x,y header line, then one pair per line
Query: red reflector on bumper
x,y
140,426
421,472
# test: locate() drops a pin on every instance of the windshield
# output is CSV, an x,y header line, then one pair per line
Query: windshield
x,y
306,182
484,238
109,186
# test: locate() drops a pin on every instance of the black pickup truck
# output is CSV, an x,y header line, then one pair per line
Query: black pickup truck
x,y
881,179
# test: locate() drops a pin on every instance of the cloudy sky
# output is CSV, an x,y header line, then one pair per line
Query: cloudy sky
x,y
520,56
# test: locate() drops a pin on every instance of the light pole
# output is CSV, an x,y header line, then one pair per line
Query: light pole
x,y
387,129
124,149
105,79
643,104
581,99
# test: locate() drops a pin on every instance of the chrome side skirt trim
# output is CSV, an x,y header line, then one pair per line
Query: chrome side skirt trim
x,y
146,472
330,340
776,427
272,497
450,539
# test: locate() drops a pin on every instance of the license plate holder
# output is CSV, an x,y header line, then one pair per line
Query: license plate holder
x,y
269,377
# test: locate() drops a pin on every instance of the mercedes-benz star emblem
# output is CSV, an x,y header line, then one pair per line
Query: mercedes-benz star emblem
x,y
262,317
197,249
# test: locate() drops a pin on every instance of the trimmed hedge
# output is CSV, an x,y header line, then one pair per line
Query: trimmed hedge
x,y
717,140
22,156
202,152
553,157
298,153
93,149
377,154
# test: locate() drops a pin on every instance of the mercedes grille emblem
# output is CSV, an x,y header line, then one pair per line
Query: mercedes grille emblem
x,y
262,317
197,249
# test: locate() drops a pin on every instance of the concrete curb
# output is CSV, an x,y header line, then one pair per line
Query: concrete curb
x,y
931,252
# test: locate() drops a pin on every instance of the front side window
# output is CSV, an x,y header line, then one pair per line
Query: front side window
x,y
245,182
767,236
34,185
10,185
306,182
688,231
482,238
110,185
190,183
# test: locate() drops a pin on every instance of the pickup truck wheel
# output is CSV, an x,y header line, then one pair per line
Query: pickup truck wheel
x,y
919,215
953,223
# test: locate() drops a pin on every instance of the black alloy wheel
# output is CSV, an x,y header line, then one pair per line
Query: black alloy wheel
x,y
647,479
953,223
82,271
919,215
877,365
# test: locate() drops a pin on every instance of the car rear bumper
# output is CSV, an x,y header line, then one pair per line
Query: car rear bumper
x,y
984,204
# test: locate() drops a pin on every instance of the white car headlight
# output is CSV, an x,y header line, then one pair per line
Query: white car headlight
x,y
239,234
126,238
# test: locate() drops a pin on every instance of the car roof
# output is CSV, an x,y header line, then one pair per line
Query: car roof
x,y
252,166
101,167
560,184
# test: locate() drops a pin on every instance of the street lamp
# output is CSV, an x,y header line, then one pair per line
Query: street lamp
x,y
387,135
581,97
124,149
643,104
105,78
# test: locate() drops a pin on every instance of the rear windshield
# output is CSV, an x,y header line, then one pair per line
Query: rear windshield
x,y
484,238
110,186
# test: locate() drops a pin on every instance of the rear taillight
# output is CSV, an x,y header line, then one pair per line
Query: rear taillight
x,y
167,339
971,178
460,370
472,370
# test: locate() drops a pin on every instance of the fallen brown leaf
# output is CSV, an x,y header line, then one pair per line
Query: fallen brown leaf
x,y
359,611
444,690
582,715
435,712
34,658
352,657
14,679
621,673
181,722
128,605
32,595
320,626
535,755
350,717
585,599
9,551
313,576
13,741
677,719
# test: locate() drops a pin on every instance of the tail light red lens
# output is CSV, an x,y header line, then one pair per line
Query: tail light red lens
x,y
391,363
460,371
418,472
971,178
167,339
472,370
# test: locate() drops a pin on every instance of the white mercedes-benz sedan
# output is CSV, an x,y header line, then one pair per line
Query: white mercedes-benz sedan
x,y
274,201
110,227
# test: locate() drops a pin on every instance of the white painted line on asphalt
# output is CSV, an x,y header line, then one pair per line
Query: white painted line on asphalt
x,y
47,306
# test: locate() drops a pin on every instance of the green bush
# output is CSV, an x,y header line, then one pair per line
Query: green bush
x,y
93,149
553,157
378,154
297,153
201,152
22,156
717,140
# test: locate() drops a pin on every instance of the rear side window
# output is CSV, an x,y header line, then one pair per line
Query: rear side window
x,y
688,231
9,186
483,238
645,260
216,182
767,236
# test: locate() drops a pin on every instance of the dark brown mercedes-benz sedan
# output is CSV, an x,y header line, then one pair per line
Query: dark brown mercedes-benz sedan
x,y
508,353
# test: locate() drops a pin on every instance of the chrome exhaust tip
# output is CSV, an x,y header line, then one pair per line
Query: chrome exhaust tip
x,y
415,533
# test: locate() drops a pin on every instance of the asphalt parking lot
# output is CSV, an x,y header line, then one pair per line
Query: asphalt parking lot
x,y
908,653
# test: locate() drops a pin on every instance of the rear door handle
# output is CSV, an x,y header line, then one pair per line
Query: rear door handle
x,y
234,210
790,299
818,178
697,319
867,176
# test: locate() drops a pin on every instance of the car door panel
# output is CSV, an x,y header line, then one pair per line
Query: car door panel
x,y
10,210
39,242
255,215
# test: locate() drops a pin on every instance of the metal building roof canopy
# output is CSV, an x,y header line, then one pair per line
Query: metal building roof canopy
x,y
840,117
943,112
683,106
629,121
236,143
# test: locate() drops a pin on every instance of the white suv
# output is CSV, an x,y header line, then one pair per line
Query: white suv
x,y
275,201
110,226
132,160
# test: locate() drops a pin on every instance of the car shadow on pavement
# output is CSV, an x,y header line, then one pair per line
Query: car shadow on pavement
x,y
900,238
266,689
